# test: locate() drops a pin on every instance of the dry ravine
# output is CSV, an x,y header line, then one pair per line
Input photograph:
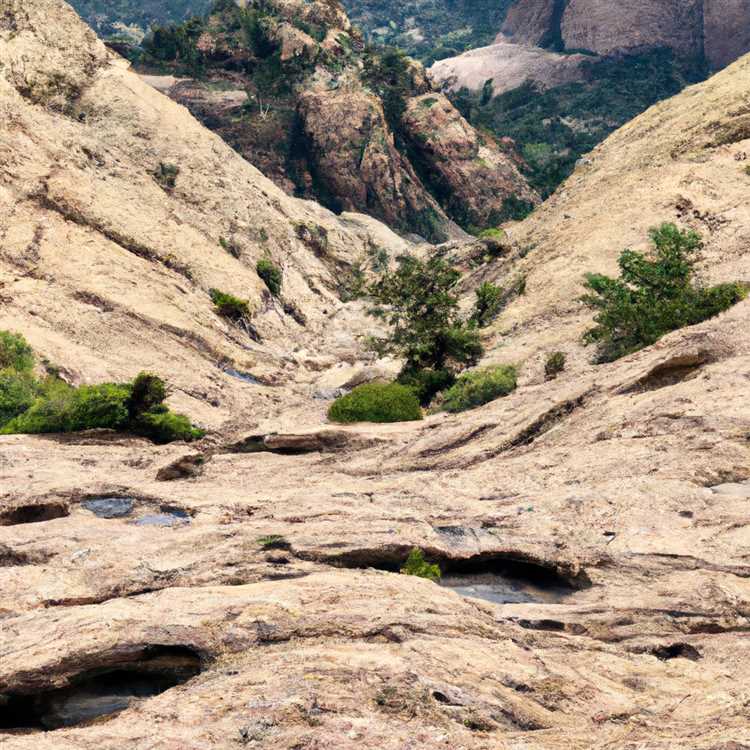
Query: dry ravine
x,y
243,590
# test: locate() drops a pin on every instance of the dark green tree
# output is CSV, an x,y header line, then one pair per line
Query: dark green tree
x,y
419,303
654,295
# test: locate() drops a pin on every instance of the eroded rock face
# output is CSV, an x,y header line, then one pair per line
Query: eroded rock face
x,y
692,28
477,179
353,156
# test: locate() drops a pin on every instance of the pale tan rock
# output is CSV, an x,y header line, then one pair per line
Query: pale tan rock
x,y
599,481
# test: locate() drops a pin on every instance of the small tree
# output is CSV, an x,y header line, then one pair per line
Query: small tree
x,y
418,301
654,295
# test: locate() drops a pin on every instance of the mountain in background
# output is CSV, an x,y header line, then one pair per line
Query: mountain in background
x,y
133,18
294,88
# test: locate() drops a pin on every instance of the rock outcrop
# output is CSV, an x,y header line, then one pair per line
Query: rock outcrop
x,y
474,177
508,66
322,118
257,602
693,29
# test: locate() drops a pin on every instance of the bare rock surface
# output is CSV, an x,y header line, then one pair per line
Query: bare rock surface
x,y
257,602
508,66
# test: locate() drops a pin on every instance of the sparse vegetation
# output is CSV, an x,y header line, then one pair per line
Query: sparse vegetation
x,y
229,306
416,565
32,405
230,246
270,274
489,303
554,365
273,541
166,175
376,402
654,295
478,387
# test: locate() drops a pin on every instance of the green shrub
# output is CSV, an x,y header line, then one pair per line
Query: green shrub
x,y
475,388
15,353
229,306
165,427
147,393
427,383
376,402
489,303
62,408
653,296
416,565
17,393
271,275
166,175
31,406
554,365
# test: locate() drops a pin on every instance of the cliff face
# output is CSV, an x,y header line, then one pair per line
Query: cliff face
x,y
692,28
294,91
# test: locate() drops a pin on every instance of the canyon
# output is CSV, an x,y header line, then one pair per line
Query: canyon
x,y
243,590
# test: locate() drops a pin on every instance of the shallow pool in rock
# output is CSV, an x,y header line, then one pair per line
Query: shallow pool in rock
x,y
110,507
168,517
501,589
246,377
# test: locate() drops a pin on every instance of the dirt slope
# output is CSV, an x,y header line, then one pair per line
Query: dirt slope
x,y
234,608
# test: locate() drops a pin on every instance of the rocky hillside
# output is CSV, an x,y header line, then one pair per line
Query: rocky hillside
x,y
133,18
296,92
243,591
561,76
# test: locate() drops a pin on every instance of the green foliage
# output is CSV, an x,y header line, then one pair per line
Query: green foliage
x,y
166,175
270,274
555,127
15,353
229,306
17,393
416,565
29,405
165,427
418,302
653,296
554,365
387,72
489,303
147,393
273,541
478,387
62,408
231,247
427,383
376,402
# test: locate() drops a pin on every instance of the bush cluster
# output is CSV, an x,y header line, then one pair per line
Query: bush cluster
x,y
270,274
229,306
654,295
554,365
377,402
478,387
30,405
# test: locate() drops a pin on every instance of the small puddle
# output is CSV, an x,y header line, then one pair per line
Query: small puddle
x,y
99,693
110,507
245,377
169,516
500,589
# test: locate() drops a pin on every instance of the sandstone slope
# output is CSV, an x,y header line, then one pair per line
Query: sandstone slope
x,y
257,595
